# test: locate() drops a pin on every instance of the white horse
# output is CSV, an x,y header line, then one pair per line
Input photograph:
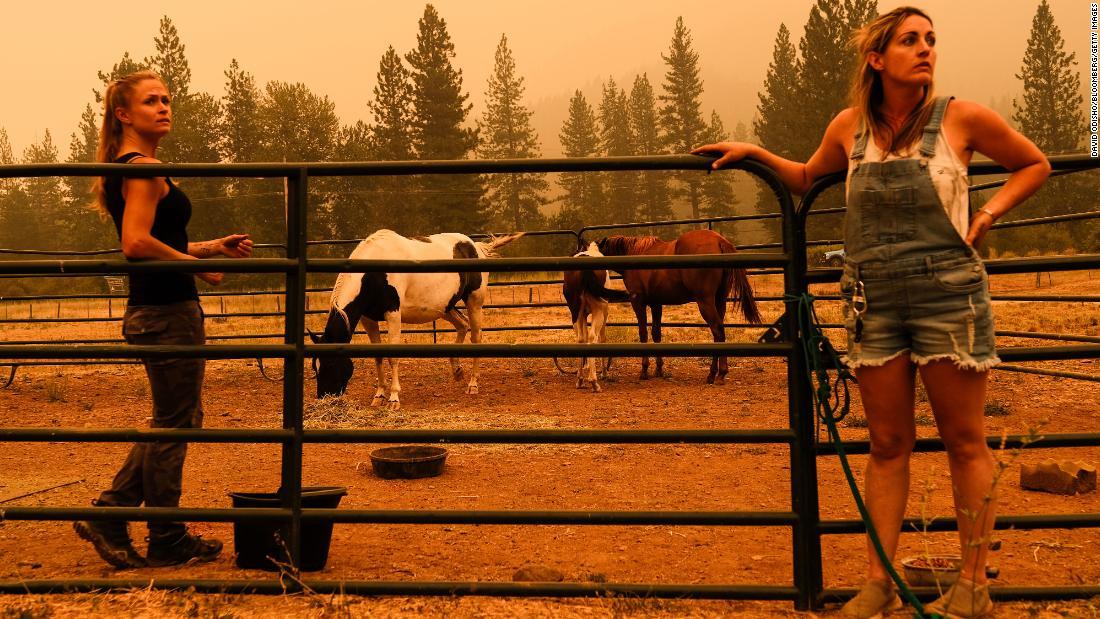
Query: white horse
x,y
404,298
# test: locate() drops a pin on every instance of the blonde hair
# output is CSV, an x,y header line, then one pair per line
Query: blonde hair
x,y
866,93
119,93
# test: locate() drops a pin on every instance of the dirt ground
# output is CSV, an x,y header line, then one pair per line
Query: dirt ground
x,y
532,394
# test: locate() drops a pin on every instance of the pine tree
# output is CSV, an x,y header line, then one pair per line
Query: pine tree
x,y
8,192
449,203
654,202
240,126
390,139
170,62
616,141
88,231
717,190
390,136
681,115
121,69
298,125
1051,112
824,73
506,133
44,217
781,102
250,205
584,191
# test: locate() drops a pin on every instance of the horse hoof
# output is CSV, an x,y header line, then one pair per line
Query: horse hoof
x,y
596,387
644,376
710,380
471,390
459,375
721,380
377,401
580,384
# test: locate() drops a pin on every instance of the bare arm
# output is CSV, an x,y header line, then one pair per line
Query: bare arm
x,y
798,177
989,134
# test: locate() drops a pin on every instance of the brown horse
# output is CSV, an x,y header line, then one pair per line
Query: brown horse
x,y
706,287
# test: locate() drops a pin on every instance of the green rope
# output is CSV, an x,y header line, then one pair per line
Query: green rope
x,y
831,403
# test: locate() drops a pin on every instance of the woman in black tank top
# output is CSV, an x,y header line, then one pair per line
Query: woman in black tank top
x,y
151,216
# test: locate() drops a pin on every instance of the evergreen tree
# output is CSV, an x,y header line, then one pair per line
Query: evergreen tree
x,y
250,205
1051,112
506,133
41,219
448,203
653,196
121,69
617,141
584,191
824,72
298,125
390,139
170,62
88,231
240,126
717,190
781,103
8,191
681,115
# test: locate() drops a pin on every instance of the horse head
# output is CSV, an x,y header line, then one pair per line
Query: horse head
x,y
333,373
614,245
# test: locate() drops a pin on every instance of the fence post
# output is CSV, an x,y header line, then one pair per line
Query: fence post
x,y
806,539
293,367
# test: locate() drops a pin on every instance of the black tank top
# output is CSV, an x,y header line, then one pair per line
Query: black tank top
x,y
170,228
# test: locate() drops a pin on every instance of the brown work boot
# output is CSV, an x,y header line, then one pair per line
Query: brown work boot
x,y
876,599
964,600
111,540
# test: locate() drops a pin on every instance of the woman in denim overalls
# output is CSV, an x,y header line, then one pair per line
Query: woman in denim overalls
x,y
917,293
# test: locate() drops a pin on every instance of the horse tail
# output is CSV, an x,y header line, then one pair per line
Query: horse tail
x,y
737,281
489,248
597,288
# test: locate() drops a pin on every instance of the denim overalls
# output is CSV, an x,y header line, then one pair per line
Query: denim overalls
x,y
911,283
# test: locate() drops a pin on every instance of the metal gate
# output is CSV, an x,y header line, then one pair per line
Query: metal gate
x,y
805,588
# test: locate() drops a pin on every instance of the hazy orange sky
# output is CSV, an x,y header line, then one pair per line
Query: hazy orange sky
x,y
50,51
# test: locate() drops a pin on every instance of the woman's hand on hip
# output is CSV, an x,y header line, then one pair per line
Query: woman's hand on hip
x,y
979,225
727,152
235,246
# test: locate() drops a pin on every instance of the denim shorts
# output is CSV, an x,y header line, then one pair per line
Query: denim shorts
x,y
935,307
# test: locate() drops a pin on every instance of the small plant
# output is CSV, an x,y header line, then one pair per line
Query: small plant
x,y
854,421
55,390
924,419
997,408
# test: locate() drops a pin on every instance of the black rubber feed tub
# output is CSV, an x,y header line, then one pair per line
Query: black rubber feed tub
x,y
262,545
408,461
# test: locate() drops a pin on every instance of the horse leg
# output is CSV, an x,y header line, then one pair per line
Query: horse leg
x,y
656,328
639,312
720,309
371,327
393,324
473,307
580,329
599,335
461,325
710,315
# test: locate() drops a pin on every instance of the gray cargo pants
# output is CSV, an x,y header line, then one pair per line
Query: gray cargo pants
x,y
153,472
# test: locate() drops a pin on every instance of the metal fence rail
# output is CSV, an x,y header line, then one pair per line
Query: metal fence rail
x,y
799,439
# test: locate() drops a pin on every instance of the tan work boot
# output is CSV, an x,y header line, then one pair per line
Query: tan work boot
x,y
876,599
964,600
